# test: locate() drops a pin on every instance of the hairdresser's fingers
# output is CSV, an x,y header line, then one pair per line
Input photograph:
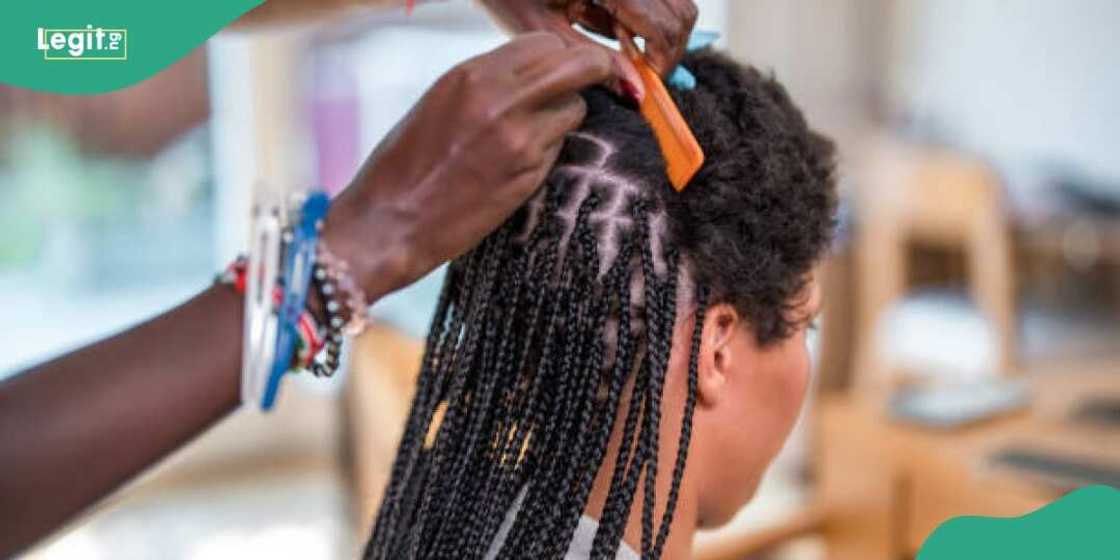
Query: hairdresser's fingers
x,y
664,24
626,42
560,118
524,142
626,80
654,23
530,180
557,16
551,154
565,73
592,17
686,14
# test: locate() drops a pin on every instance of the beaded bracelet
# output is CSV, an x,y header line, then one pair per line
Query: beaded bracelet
x,y
335,272
330,359
319,349
311,336
344,303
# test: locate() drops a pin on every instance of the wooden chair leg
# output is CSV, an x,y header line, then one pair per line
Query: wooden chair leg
x,y
992,284
881,262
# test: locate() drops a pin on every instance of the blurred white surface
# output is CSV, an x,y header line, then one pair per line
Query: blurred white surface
x,y
274,516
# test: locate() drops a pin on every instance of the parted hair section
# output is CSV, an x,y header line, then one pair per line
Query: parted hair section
x,y
556,330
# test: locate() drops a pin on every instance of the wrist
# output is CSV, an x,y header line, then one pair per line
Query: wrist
x,y
375,258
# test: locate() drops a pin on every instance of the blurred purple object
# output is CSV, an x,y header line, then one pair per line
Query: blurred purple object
x,y
335,114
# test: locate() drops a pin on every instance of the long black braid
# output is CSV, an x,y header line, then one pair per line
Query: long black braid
x,y
517,362
553,336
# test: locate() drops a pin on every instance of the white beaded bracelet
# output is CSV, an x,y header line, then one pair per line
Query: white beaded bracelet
x,y
351,293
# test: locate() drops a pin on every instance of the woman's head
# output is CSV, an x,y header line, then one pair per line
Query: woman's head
x,y
615,332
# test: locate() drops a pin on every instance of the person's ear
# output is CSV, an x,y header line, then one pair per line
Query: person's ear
x,y
717,356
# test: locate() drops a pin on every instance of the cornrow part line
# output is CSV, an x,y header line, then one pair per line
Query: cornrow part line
x,y
606,149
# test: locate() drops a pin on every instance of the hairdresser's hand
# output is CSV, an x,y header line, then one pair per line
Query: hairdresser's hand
x,y
471,151
665,25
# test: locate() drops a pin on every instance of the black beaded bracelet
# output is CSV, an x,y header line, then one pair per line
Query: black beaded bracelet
x,y
328,361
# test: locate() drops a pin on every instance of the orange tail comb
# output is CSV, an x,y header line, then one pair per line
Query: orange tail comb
x,y
683,156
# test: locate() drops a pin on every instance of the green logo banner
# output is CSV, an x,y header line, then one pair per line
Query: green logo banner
x,y
91,46
1084,524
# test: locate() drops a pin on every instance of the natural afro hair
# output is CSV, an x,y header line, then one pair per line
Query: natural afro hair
x,y
762,210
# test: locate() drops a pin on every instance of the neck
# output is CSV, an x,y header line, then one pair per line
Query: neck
x,y
685,518
681,530
685,515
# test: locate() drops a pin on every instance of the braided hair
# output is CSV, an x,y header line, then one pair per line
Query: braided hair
x,y
561,322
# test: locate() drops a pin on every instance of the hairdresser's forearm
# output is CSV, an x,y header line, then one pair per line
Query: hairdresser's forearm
x,y
76,428
455,168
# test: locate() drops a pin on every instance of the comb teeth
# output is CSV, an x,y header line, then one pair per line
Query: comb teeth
x,y
682,153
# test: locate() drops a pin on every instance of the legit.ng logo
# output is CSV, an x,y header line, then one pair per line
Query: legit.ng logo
x,y
91,43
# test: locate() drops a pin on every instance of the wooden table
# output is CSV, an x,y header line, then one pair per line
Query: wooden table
x,y
885,487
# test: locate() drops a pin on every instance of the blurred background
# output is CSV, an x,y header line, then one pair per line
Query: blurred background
x,y
969,356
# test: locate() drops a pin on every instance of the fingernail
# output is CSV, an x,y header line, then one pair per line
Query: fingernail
x,y
631,91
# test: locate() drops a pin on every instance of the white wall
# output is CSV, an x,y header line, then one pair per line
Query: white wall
x,y
827,53
1023,81
713,16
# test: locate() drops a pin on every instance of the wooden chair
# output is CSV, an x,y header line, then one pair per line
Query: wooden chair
x,y
936,198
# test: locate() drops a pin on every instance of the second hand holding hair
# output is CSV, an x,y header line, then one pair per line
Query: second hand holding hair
x,y
514,106
465,158
665,25
473,149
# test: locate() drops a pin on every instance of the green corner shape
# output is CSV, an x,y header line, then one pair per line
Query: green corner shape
x,y
153,35
1084,524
